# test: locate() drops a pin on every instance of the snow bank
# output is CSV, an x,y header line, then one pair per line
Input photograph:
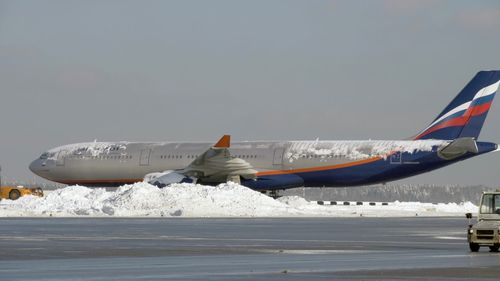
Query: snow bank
x,y
192,200
143,199
356,150
90,148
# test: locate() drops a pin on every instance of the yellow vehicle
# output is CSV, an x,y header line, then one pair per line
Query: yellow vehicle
x,y
14,192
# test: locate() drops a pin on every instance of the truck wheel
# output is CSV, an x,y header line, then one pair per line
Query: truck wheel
x,y
474,247
494,248
14,194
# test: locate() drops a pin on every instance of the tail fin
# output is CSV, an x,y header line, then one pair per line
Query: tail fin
x,y
465,115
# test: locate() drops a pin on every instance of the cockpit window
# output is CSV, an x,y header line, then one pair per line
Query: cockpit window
x,y
44,155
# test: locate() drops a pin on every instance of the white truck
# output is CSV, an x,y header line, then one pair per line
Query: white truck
x,y
486,232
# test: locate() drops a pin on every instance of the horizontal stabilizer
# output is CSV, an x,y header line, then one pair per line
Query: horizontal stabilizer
x,y
458,148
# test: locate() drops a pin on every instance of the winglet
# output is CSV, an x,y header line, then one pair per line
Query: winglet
x,y
224,142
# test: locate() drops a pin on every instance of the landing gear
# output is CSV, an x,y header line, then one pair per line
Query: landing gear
x,y
275,193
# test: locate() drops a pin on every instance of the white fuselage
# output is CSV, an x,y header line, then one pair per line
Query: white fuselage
x,y
113,163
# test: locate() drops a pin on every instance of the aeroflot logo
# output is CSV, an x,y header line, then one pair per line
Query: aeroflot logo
x,y
479,104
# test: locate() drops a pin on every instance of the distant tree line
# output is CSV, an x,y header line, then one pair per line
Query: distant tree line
x,y
389,193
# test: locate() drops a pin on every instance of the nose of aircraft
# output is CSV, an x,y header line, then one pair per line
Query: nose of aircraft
x,y
36,167
33,166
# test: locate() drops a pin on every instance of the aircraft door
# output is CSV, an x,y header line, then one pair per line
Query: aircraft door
x,y
396,158
278,156
60,158
144,158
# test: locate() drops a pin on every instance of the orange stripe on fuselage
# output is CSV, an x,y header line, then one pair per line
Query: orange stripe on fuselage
x,y
317,169
124,181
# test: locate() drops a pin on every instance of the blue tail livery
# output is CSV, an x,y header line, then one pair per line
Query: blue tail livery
x,y
465,115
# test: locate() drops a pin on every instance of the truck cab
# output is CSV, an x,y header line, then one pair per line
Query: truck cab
x,y
486,232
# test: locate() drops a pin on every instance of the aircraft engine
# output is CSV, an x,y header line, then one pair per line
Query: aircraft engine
x,y
168,177
276,182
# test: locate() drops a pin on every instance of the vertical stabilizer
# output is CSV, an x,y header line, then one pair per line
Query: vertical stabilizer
x,y
465,115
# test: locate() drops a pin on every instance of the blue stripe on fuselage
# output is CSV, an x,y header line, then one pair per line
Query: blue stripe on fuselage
x,y
383,170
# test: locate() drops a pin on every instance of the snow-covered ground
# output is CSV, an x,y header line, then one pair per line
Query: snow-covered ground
x,y
191,200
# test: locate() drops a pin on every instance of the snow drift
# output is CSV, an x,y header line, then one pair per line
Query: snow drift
x,y
357,150
193,200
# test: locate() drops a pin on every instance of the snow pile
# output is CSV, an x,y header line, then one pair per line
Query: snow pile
x,y
143,199
192,200
88,149
441,208
394,209
294,201
356,150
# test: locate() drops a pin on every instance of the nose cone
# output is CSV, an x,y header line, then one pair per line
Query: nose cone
x,y
37,167
33,167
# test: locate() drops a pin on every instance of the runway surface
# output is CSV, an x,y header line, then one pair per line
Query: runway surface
x,y
241,249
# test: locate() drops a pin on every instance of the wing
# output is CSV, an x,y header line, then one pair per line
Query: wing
x,y
216,165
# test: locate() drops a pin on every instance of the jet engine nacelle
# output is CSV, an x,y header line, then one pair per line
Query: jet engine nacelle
x,y
168,177
274,183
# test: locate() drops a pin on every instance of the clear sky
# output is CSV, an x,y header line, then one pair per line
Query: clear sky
x,y
75,71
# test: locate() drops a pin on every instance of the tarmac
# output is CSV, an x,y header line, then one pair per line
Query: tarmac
x,y
241,249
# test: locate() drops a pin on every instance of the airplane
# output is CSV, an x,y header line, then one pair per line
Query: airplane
x,y
270,166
